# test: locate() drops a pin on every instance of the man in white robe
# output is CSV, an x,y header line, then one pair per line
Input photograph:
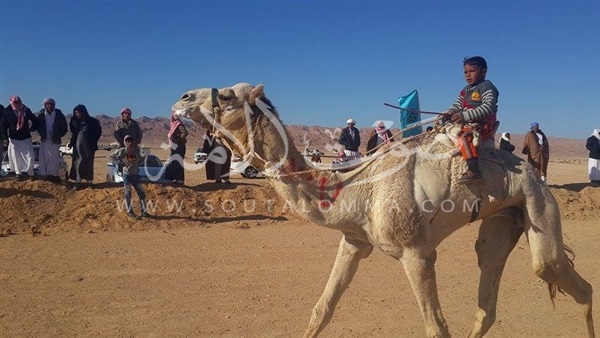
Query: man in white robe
x,y
52,126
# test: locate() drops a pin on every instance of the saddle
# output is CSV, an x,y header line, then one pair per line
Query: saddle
x,y
448,134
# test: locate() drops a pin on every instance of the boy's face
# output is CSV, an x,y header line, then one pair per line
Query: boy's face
x,y
473,74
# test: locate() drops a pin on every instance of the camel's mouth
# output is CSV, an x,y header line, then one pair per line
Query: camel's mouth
x,y
182,112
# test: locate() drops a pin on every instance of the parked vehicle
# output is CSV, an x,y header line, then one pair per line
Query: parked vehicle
x,y
200,156
239,166
63,166
64,150
151,168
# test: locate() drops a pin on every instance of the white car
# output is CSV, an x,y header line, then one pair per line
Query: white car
x,y
63,170
239,166
64,150
200,156
151,169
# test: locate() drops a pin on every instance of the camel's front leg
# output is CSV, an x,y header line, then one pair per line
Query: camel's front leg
x,y
349,254
497,238
420,270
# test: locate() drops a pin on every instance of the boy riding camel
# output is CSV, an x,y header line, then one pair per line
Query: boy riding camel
x,y
475,109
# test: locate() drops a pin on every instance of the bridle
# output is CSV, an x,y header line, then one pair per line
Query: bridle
x,y
217,113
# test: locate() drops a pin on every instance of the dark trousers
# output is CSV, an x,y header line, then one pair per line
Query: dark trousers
x,y
134,180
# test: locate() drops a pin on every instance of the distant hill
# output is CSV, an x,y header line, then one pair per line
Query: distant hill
x,y
308,137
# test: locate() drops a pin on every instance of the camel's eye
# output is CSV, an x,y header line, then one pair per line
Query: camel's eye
x,y
186,97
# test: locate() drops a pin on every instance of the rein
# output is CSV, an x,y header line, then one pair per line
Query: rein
x,y
361,164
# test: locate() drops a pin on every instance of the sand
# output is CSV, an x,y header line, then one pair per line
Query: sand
x,y
72,264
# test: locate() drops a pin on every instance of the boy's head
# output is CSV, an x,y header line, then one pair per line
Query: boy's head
x,y
475,69
128,140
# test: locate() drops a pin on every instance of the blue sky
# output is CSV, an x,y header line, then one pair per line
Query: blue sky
x,y
320,62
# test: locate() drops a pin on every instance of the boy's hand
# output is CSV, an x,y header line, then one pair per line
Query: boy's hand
x,y
443,116
458,118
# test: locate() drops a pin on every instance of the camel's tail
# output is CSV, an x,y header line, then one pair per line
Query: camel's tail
x,y
553,288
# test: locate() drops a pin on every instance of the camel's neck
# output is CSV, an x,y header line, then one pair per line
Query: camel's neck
x,y
313,194
274,145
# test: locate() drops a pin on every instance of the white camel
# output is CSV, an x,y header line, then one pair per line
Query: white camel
x,y
404,203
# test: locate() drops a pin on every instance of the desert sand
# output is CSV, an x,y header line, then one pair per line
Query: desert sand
x,y
72,264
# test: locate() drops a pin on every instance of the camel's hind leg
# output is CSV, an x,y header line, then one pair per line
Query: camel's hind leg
x,y
497,238
420,269
549,259
349,254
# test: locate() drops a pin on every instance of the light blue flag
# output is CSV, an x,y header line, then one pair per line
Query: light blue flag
x,y
410,101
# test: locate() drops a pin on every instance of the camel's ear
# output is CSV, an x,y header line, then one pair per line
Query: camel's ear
x,y
257,92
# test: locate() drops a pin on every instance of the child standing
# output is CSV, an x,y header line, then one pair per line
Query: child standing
x,y
476,105
129,157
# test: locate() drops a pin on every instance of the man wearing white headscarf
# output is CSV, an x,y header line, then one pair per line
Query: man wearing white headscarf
x,y
350,139
52,126
16,134
505,143
593,145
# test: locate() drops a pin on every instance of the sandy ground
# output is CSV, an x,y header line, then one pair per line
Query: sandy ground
x,y
87,270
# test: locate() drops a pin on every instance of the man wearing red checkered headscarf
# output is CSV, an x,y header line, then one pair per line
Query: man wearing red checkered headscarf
x,y
52,126
17,125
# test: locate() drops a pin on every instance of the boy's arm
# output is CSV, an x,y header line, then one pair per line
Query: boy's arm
x,y
456,106
117,155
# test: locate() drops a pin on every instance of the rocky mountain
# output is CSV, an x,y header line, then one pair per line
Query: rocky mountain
x,y
307,137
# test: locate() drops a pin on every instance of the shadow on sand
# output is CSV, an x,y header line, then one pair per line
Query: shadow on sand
x,y
575,187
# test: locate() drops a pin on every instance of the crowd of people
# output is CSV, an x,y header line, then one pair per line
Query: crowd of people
x,y
17,123
474,110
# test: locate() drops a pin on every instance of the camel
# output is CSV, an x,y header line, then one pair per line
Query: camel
x,y
404,203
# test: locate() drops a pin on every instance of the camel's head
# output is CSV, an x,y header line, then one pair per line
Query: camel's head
x,y
232,110
225,107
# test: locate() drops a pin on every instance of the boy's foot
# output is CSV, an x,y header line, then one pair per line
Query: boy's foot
x,y
132,215
469,177
145,214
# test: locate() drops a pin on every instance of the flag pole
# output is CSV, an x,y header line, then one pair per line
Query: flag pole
x,y
412,110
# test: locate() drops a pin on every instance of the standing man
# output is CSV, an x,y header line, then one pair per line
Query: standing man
x,y
2,148
85,133
505,143
593,145
127,126
16,134
52,126
537,149
350,139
